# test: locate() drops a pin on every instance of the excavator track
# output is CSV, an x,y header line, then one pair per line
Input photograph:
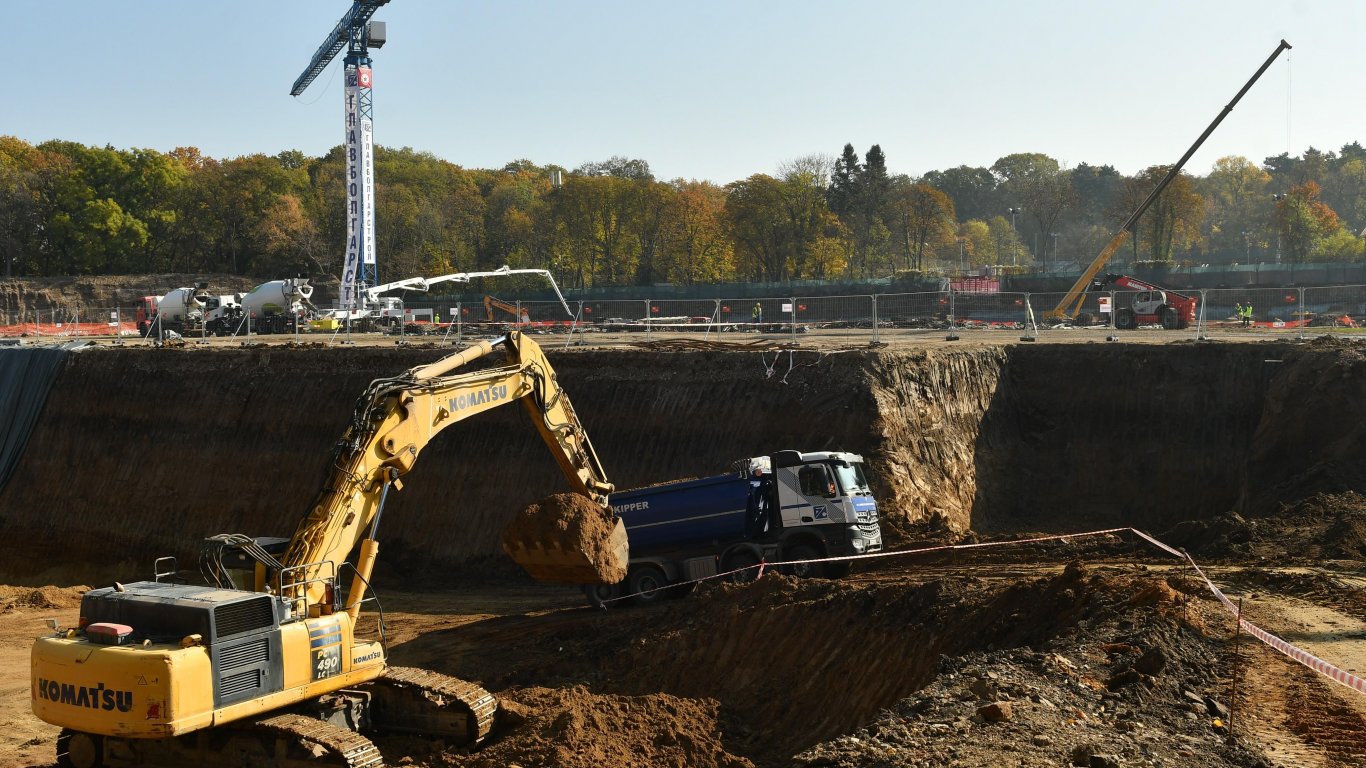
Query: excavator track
x,y
411,700
353,749
279,741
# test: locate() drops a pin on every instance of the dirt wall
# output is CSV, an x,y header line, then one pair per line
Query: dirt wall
x,y
141,452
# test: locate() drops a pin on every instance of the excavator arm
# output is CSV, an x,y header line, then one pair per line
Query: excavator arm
x,y
395,419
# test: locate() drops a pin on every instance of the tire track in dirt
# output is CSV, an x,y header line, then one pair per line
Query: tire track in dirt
x,y
1299,717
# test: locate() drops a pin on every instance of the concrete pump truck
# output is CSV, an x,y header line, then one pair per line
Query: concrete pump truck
x,y
263,665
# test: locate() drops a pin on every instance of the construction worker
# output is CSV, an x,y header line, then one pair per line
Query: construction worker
x,y
758,313
1238,311
1247,314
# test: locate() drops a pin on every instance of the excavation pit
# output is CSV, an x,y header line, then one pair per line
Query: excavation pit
x,y
142,452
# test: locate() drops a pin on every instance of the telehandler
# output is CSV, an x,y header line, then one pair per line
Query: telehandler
x,y
262,666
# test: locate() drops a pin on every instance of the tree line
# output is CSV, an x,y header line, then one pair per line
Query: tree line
x,y
71,209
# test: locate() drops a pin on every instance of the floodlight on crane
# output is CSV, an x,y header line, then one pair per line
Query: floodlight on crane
x,y
357,33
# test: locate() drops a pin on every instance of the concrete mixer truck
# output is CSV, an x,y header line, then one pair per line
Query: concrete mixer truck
x,y
278,306
180,310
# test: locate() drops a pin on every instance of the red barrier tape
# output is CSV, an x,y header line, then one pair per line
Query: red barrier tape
x,y
1289,650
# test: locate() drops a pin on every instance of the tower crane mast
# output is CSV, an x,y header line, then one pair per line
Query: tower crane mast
x,y
357,33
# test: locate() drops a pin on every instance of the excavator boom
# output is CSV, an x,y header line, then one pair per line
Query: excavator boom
x,y
397,417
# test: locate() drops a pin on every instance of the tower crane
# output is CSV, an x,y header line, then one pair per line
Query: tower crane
x,y
357,33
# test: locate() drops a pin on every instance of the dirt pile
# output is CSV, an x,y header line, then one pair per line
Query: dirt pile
x,y
1137,682
568,538
576,728
796,663
43,598
1324,526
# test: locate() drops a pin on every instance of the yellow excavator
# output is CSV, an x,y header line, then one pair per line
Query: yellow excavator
x,y
262,665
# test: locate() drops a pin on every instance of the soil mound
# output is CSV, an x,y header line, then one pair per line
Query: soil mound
x,y
567,537
1324,526
575,728
765,650
42,598
1137,681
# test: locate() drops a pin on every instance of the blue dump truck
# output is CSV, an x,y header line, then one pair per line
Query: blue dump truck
x,y
783,507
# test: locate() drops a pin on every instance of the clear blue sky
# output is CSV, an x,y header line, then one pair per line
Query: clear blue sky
x,y
708,89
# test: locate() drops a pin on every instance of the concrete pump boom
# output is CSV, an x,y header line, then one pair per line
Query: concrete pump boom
x,y
425,283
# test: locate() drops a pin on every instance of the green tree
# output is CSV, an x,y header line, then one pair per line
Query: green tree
x,y
1238,204
1038,184
758,223
974,191
842,196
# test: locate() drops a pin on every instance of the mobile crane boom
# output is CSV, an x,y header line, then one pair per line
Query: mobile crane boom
x,y
1071,302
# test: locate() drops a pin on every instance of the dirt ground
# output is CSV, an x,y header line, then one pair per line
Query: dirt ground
x,y
1074,656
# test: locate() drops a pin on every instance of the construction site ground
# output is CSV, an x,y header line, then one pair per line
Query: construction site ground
x,y
1100,651
757,674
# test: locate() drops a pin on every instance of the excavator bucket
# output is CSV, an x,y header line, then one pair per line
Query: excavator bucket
x,y
568,538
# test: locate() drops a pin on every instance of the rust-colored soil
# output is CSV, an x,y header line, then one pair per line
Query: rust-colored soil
x,y
566,537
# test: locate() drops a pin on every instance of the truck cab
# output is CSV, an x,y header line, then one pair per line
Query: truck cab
x,y
818,491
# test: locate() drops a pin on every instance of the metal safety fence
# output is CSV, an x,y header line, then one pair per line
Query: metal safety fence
x,y
1244,312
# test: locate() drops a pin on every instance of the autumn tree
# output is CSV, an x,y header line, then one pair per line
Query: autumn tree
x,y
1238,204
978,246
924,219
1172,222
696,246
1305,222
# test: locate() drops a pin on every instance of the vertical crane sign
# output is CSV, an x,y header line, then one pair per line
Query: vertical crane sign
x,y
358,34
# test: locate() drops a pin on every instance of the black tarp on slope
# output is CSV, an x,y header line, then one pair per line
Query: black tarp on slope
x,y
26,376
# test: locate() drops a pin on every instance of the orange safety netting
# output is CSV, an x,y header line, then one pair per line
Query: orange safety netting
x,y
68,329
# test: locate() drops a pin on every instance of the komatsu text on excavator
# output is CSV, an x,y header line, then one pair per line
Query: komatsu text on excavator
x,y
262,665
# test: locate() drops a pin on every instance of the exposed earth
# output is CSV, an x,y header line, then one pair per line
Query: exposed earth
x,y
1090,652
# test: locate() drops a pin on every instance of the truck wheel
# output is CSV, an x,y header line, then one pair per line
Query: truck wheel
x,y
743,558
1125,320
646,583
803,552
599,594
1171,319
